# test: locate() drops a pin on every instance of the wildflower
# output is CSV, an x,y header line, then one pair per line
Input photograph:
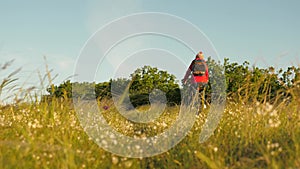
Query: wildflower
x,y
29,124
137,147
19,117
272,153
104,142
105,107
274,113
274,123
164,124
268,107
112,136
114,160
260,111
270,121
128,164
115,142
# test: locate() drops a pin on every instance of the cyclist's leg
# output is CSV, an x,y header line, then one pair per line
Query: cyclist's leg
x,y
198,95
202,87
191,95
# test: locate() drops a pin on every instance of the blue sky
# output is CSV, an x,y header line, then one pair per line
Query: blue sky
x,y
266,33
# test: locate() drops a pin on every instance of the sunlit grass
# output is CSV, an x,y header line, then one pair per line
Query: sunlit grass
x,y
250,135
48,135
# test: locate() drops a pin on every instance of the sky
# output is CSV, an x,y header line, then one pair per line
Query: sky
x,y
265,33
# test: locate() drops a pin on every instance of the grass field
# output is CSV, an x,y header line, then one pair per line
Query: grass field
x,y
44,135
251,134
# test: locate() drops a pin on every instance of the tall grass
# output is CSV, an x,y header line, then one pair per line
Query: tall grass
x,y
250,135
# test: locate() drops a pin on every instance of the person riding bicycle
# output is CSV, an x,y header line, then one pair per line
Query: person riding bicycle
x,y
200,77
199,70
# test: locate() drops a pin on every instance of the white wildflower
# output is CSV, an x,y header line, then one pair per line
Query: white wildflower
x,y
114,160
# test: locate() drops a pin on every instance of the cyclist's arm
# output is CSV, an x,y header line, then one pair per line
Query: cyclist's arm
x,y
188,72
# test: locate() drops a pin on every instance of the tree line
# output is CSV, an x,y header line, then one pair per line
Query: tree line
x,y
244,83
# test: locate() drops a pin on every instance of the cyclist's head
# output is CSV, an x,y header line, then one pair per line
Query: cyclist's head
x,y
200,55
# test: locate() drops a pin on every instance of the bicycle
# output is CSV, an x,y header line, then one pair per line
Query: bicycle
x,y
196,97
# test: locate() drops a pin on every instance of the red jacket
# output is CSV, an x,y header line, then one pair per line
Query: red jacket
x,y
196,79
